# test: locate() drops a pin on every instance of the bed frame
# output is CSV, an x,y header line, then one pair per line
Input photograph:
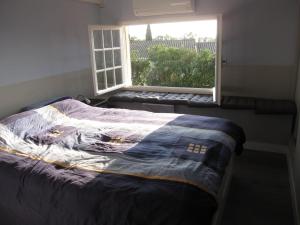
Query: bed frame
x,y
222,195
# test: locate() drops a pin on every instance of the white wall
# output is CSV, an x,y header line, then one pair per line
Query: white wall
x,y
255,31
259,39
40,38
45,43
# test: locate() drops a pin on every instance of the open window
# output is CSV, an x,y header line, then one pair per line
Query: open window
x,y
110,60
182,56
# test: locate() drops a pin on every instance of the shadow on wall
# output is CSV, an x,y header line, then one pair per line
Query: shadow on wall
x,y
269,81
14,97
261,60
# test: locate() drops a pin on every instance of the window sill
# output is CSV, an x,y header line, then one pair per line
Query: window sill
x,y
111,89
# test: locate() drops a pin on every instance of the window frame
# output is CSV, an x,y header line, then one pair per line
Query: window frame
x,y
125,58
127,85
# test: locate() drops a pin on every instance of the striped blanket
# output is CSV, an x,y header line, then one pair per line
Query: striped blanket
x,y
112,166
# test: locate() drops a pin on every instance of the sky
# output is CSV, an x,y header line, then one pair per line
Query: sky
x,y
200,29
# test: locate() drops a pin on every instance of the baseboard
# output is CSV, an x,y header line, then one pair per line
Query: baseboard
x,y
293,187
266,147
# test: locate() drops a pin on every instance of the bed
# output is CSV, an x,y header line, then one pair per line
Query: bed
x,y
70,163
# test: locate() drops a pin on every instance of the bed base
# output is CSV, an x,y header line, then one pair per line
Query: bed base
x,y
222,195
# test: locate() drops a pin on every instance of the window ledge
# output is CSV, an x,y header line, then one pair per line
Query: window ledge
x,y
178,90
199,100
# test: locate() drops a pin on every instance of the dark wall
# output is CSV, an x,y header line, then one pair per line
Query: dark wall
x,y
295,150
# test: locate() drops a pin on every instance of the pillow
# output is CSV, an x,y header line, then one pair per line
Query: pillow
x,y
44,103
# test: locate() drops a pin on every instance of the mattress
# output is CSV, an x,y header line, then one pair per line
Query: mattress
x,y
70,163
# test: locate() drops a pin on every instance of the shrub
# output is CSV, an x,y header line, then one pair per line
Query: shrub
x,y
140,69
174,67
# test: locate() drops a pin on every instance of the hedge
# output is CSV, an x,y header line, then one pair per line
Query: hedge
x,y
174,67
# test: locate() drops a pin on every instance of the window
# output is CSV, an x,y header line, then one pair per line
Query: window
x,y
174,54
108,58
161,56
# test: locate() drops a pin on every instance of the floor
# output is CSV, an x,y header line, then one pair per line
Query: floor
x,y
259,193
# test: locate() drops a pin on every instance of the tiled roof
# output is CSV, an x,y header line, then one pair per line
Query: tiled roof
x,y
141,47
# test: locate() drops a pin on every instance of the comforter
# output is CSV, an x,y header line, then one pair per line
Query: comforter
x,y
70,163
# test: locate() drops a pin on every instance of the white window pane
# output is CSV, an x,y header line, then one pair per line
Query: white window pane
x,y
99,57
117,57
119,77
107,39
101,81
98,42
110,78
109,58
116,38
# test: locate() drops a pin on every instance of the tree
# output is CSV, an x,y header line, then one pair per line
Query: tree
x,y
148,33
166,37
160,38
133,38
206,39
189,36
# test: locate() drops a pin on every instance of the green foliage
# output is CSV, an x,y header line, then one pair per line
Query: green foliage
x,y
174,67
140,69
